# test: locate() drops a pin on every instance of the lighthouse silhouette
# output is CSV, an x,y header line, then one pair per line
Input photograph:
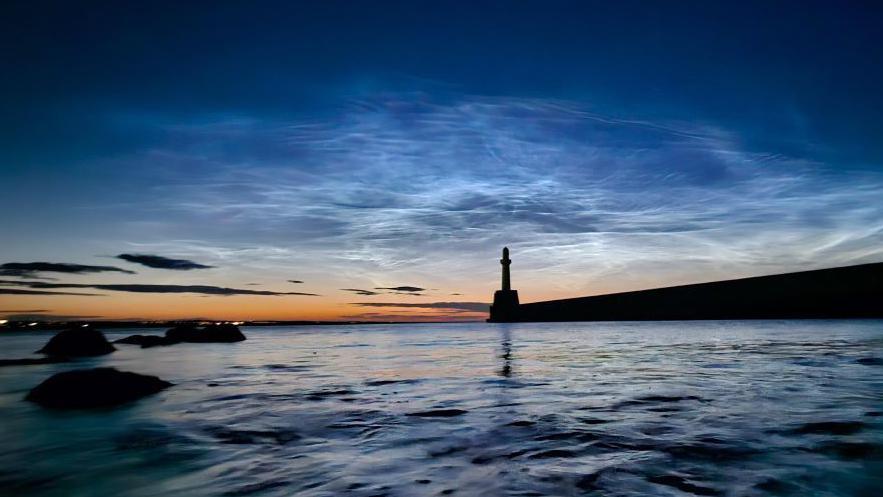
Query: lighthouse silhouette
x,y
505,306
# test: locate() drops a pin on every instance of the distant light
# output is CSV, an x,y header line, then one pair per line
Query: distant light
x,y
32,324
237,323
85,326
4,321
218,322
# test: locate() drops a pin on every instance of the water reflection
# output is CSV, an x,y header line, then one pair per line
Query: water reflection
x,y
506,346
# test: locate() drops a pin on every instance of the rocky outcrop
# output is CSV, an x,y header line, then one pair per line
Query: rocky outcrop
x,y
132,339
183,333
218,333
89,388
215,333
77,342
146,341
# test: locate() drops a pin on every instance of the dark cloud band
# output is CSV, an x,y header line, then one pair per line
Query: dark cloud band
x,y
142,288
31,269
458,306
404,288
160,262
19,291
359,291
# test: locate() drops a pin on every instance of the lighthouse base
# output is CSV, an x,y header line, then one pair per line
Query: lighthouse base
x,y
505,307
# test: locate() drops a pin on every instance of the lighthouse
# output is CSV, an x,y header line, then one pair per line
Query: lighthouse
x,y
506,262
505,306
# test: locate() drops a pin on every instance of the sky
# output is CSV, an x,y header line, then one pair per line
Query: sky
x,y
369,160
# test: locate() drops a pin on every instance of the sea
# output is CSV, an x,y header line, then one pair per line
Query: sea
x,y
728,408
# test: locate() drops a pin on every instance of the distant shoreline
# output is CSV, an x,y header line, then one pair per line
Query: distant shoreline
x,y
55,325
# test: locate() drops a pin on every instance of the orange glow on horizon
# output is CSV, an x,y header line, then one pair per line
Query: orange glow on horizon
x,y
229,308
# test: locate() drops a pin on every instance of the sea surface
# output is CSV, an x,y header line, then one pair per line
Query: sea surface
x,y
727,408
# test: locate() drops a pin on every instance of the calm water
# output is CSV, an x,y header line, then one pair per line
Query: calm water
x,y
614,409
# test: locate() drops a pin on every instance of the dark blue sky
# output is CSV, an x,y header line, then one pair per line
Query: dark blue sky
x,y
786,73
688,139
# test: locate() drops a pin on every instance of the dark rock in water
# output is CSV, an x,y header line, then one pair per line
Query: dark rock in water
x,y
221,333
131,340
146,341
183,333
99,387
215,333
77,342
27,362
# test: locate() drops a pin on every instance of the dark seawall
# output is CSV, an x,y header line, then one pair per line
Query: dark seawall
x,y
844,292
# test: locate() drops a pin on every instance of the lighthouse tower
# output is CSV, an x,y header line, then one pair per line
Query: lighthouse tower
x,y
505,307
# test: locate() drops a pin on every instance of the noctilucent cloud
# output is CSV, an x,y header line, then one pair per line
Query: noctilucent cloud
x,y
383,152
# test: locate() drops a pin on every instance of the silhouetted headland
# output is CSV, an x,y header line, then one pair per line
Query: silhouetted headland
x,y
842,292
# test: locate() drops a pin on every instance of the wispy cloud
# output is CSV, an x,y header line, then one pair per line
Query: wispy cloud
x,y
405,184
33,269
160,262
401,289
448,306
359,291
417,188
145,288
19,291
410,316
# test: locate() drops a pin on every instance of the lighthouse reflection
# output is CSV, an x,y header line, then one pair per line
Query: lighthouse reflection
x,y
506,351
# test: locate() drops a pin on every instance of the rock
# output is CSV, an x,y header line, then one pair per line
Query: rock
x,y
77,342
131,340
222,333
99,387
146,341
183,333
215,333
